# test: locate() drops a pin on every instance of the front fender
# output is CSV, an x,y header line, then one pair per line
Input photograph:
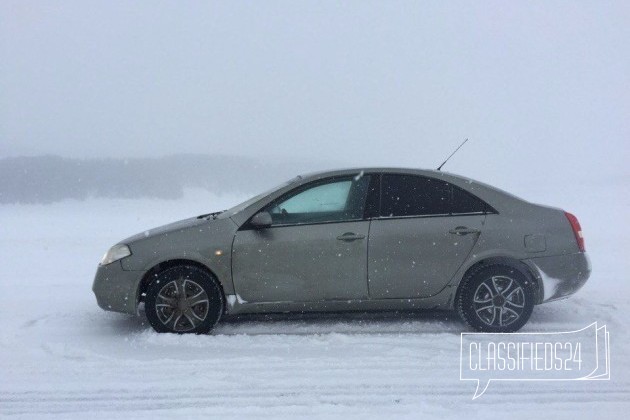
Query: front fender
x,y
209,245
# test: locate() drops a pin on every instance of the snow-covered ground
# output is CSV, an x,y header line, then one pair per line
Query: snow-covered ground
x,y
63,357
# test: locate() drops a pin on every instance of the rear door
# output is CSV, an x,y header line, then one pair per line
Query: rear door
x,y
425,230
315,249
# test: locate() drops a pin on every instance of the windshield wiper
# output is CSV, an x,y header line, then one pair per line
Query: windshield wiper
x,y
209,215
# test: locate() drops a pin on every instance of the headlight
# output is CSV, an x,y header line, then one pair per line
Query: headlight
x,y
115,253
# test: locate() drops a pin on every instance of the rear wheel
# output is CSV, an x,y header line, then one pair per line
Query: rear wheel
x,y
496,298
184,299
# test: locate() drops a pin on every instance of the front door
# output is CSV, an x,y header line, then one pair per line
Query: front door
x,y
315,249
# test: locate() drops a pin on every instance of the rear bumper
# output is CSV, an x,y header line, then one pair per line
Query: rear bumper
x,y
116,289
560,276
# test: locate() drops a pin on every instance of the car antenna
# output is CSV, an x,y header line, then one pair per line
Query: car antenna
x,y
451,155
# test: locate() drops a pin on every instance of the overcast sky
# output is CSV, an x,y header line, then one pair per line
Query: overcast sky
x,y
534,85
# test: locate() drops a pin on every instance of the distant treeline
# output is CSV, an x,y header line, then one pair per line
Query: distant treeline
x,y
46,179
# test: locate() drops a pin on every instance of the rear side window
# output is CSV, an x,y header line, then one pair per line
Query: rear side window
x,y
409,195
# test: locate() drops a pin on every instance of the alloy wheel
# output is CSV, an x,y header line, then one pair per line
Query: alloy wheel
x,y
181,305
499,301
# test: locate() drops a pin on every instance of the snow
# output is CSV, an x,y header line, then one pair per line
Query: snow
x,y
63,357
550,284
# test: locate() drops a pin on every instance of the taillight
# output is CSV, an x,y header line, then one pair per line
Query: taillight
x,y
577,230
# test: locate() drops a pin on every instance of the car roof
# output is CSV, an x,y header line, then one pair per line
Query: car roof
x,y
396,170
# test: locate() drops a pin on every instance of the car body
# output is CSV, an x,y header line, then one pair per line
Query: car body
x,y
357,239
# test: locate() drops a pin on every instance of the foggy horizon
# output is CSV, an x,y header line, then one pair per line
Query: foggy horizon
x,y
543,85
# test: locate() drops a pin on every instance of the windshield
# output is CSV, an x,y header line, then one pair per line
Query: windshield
x,y
239,207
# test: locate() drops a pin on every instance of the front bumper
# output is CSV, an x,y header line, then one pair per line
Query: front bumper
x,y
116,289
561,275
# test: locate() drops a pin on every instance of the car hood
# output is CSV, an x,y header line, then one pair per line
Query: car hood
x,y
166,229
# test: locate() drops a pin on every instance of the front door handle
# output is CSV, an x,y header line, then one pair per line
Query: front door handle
x,y
463,230
349,237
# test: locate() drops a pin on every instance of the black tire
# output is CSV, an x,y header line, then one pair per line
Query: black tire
x,y
495,298
184,299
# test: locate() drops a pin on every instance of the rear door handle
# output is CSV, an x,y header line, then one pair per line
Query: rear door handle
x,y
349,237
463,230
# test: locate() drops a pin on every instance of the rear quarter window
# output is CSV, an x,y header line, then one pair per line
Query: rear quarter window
x,y
465,202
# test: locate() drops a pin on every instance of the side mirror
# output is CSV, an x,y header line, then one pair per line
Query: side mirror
x,y
261,220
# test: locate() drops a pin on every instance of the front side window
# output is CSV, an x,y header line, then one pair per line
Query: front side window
x,y
321,199
329,201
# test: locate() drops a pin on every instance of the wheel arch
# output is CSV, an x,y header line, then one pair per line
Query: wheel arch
x,y
507,261
150,275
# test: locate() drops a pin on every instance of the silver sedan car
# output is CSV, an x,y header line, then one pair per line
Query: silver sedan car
x,y
352,240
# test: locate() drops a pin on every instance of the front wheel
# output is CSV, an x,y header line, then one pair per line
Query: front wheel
x,y
495,298
184,299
